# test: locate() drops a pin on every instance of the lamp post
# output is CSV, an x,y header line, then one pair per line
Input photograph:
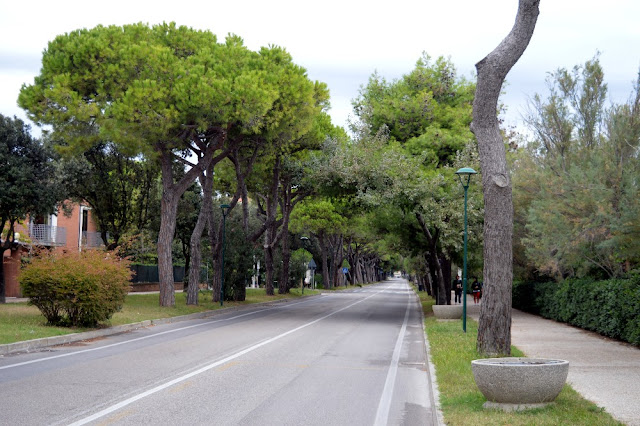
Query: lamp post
x,y
305,243
463,173
225,211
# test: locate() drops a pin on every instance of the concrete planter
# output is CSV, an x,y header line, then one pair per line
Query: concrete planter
x,y
447,312
513,384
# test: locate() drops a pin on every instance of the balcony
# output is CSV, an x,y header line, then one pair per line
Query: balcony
x,y
92,239
47,235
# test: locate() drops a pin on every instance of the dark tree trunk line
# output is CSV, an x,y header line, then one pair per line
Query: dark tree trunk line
x,y
433,260
494,330
337,257
288,201
204,218
171,193
6,245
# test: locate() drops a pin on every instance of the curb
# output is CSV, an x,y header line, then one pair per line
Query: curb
x,y
35,344
438,416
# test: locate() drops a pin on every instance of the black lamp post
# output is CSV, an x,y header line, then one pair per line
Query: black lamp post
x,y
305,243
465,177
225,211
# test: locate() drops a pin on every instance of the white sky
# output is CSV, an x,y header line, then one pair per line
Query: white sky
x,y
343,42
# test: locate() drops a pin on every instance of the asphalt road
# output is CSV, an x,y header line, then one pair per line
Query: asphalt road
x,y
348,358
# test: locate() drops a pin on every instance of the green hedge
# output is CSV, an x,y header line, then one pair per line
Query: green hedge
x,y
611,308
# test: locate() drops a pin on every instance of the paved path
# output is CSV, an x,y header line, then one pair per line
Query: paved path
x,y
602,370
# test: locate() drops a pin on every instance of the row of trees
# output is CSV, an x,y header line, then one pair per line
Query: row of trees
x,y
128,106
142,116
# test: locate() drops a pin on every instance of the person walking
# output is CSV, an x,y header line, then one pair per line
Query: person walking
x,y
475,290
457,288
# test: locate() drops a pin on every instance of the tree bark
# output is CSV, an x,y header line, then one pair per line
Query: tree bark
x,y
494,330
204,218
433,260
324,255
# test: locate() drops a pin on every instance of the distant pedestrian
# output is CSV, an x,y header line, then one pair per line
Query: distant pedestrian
x,y
475,290
457,288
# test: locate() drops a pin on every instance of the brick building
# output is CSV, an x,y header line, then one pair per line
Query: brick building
x,y
72,229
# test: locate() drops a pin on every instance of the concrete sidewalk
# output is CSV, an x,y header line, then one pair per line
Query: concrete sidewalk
x,y
602,370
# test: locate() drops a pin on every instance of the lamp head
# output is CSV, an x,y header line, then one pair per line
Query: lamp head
x,y
465,172
225,209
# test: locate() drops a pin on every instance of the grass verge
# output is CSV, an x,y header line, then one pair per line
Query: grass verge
x,y
19,321
452,352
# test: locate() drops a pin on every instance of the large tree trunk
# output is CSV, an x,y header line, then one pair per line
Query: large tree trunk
x,y
168,213
326,283
445,264
337,257
204,217
283,284
494,330
434,261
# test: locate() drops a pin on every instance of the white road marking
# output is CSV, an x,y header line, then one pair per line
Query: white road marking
x,y
141,338
382,415
208,367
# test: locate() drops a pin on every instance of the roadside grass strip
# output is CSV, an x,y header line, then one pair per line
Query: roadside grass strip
x,y
461,402
20,322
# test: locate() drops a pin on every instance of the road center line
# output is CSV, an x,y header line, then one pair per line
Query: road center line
x,y
382,415
208,367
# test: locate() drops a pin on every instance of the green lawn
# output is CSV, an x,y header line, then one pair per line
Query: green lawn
x,y
452,352
19,321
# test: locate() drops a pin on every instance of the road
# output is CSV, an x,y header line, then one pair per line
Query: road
x,y
345,358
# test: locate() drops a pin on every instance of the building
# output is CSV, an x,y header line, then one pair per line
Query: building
x,y
72,228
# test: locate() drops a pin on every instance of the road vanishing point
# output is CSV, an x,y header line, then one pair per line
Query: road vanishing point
x,y
343,358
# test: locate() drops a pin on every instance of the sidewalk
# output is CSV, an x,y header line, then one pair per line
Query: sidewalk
x,y
604,371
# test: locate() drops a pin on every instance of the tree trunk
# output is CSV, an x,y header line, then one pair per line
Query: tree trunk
x,y
268,266
494,330
337,257
204,218
168,213
283,285
324,255
445,264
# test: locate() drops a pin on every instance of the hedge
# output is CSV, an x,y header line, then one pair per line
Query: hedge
x,y
611,308
76,289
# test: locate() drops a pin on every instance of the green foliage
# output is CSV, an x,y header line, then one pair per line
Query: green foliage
x,y
76,289
607,307
119,189
27,177
317,216
427,110
138,85
575,186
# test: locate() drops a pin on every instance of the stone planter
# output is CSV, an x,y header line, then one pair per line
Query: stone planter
x,y
513,384
447,312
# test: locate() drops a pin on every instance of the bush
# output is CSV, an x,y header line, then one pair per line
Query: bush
x,y
76,289
607,307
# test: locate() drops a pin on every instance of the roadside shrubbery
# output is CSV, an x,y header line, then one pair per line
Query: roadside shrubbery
x,y
76,289
607,307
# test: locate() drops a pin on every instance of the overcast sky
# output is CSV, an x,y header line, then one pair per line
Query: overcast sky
x,y
342,42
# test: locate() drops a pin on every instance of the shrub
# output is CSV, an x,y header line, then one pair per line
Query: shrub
x,y
76,289
607,307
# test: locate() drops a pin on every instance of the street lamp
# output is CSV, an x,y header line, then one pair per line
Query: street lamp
x,y
465,177
225,210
